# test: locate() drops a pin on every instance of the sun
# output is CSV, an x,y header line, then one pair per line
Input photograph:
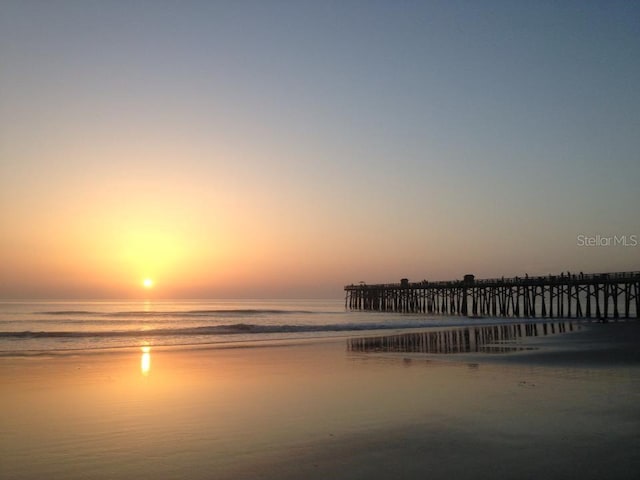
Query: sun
x,y
147,283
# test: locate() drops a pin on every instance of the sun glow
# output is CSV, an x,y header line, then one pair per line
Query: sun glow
x,y
147,283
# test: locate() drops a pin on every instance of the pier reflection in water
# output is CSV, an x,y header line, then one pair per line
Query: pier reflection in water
x,y
484,339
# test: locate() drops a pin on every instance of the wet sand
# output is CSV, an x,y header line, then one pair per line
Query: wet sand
x,y
569,408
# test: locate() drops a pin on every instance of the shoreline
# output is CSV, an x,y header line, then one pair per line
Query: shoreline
x,y
589,336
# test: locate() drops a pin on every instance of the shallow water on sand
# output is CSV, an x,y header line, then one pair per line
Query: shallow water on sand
x,y
313,410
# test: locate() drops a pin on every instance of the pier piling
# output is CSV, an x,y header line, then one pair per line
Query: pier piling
x,y
614,295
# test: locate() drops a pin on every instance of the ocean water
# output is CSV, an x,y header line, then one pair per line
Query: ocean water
x,y
39,326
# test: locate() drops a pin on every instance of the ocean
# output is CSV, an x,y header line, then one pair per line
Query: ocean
x,y
48,326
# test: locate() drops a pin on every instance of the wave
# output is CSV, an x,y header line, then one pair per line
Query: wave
x,y
237,328
180,313
68,312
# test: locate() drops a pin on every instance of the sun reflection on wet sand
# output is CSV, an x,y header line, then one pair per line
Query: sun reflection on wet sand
x,y
145,360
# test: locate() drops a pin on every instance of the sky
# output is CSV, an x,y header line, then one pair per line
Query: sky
x,y
241,149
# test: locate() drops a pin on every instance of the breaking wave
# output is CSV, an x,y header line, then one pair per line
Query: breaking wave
x,y
230,329
179,313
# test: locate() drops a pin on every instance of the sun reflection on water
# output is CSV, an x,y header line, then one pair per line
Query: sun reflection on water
x,y
145,360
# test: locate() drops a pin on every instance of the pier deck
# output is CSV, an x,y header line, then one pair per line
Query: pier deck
x,y
595,295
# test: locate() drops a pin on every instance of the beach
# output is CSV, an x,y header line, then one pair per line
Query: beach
x,y
566,406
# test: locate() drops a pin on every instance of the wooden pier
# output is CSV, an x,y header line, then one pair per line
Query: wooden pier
x,y
600,295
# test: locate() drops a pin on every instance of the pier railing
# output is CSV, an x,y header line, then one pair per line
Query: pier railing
x,y
591,295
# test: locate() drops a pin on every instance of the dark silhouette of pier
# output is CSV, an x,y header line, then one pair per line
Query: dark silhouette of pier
x,y
567,295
